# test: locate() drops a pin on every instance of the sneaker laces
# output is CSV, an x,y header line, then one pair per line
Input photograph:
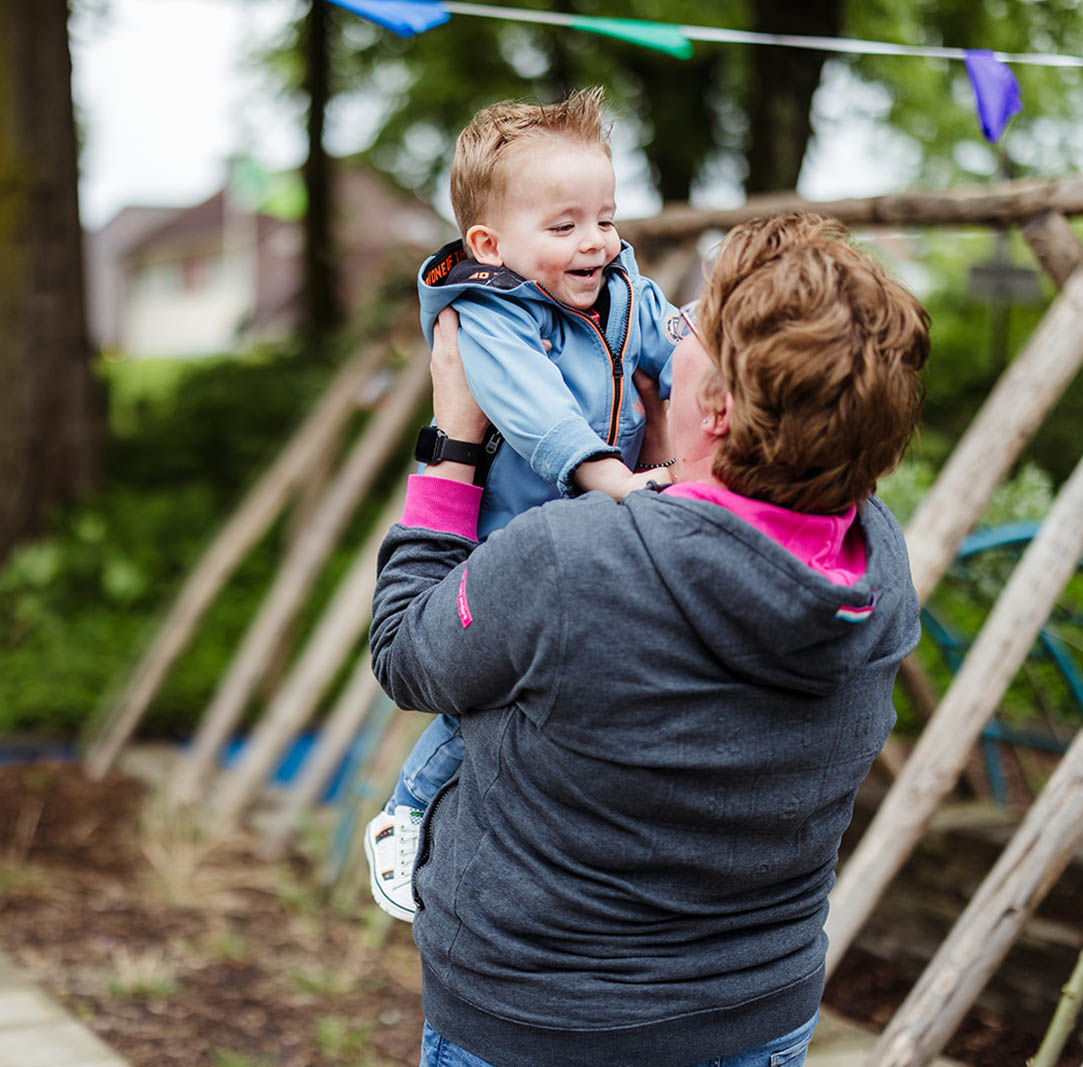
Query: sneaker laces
x,y
407,831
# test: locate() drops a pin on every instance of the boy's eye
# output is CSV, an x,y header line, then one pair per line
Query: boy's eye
x,y
606,224
562,227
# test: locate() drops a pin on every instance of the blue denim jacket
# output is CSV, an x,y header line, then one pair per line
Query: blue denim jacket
x,y
555,409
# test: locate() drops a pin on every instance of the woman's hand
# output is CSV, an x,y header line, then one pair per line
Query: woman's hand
x,y
656,447
456,411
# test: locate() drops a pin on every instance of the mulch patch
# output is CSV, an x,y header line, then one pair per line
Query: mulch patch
x,y
180,953
869,990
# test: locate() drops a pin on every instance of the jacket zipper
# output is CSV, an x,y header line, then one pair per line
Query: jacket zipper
x,y
616,359
423,852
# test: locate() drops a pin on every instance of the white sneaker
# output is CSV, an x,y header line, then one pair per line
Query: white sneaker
x,y
391,848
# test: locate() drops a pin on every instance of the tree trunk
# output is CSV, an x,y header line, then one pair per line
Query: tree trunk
x,y
780,91
676,158
322,305
48,423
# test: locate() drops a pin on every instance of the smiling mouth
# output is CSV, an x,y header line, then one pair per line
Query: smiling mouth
x,y
584,272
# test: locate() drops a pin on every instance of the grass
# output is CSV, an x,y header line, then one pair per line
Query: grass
x,y
143,975
321,982
339,1039
138,384
228,1058
16,875
230,945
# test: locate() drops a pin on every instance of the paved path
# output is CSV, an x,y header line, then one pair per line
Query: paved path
x,y
36,1032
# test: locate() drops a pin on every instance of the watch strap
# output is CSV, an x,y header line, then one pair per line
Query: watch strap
x,y
460,452
434,446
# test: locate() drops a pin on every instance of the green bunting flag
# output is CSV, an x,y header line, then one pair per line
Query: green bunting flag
x,y
281,195
657,35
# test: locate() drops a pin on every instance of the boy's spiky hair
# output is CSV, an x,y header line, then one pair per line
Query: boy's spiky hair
x,y
485,150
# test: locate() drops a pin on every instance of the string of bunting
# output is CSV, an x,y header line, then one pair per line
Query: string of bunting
x,y
995,89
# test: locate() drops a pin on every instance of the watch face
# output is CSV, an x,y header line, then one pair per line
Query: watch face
x,y
429,445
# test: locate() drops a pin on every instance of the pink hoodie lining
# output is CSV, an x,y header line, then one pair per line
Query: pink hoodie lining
x,y
442,505
831,545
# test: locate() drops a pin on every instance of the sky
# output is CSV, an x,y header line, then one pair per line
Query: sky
x,y
167,90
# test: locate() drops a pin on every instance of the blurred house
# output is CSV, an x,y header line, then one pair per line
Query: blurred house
x,y
206,279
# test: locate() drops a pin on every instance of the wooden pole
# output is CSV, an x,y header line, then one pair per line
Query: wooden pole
x,y
1059,252
382,771
1054,244
336,736
935,764
999,204
337,633
358,797
1063,1021
296,576
244,529
1025,872
306,506
1022,397
919,687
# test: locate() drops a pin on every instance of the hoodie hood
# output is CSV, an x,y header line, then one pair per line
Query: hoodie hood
x,y
451,271
764,612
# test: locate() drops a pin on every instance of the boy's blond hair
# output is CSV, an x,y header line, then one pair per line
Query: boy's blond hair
x,y
486,149
821,350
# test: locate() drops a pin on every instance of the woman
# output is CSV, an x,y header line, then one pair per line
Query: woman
x,y
667,704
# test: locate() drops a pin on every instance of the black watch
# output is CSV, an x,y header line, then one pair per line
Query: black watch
x,y
434,446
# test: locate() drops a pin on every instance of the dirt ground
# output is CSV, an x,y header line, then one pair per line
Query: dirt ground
x,y
179,954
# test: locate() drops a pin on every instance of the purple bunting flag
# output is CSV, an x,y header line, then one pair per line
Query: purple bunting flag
x,y
996,90
404,17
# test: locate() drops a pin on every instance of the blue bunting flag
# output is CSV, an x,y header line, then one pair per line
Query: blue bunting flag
x,y
404,17
996,90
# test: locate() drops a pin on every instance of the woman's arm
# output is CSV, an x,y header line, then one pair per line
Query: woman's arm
x,y
455,626
455,411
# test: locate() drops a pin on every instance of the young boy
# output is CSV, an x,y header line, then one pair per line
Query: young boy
x,y
554,319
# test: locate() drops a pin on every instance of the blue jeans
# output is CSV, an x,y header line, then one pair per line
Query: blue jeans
x,y
434,760
786,1051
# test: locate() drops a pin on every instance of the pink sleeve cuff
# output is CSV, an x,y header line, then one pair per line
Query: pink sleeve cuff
x,y
442,505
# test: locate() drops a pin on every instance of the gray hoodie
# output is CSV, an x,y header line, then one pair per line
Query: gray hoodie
x,y
666,718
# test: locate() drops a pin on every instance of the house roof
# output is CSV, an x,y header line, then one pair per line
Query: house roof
x,y
372,213
186,224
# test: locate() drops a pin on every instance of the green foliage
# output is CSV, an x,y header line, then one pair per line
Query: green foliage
x,y
697,120
973,340
78,606
1039,695
426,88
932,103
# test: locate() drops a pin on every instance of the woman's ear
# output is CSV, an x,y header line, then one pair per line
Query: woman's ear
x,y
483,243
717,422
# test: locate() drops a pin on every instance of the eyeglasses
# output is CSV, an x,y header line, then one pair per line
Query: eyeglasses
x,y
686,321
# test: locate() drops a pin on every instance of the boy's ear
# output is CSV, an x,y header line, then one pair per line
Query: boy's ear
x,y
483,243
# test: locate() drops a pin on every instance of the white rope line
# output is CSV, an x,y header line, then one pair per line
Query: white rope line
x,y
820,44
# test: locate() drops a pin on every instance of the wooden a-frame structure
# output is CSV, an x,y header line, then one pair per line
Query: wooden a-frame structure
x,y
1025,393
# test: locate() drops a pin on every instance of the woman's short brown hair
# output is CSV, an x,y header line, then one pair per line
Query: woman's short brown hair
x,y
821,350
485,150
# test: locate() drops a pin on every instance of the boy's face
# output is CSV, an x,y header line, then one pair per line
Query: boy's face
x,y
554,224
